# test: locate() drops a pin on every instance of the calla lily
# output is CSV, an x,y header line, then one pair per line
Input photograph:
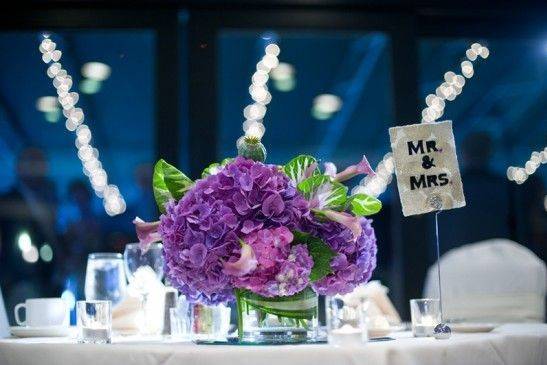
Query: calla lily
x,y
330,169
363,167
345,219
247,262
147,232
309,171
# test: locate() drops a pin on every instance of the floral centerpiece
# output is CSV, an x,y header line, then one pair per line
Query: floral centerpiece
x,y
269,237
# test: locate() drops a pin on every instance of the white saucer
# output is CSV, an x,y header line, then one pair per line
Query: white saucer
x,y
50,331
379,332
472,327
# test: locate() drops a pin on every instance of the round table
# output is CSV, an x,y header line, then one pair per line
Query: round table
x,y
518,344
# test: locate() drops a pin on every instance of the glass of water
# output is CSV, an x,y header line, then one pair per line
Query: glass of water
x,y
94,321
144,269
105,277
345,321
425,315
209,323
138,261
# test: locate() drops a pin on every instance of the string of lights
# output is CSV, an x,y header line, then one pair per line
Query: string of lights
x,y
113,201
448,91
254,113
521,174
453,84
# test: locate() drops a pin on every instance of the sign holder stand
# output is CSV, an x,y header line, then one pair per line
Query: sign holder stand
x,y
442,331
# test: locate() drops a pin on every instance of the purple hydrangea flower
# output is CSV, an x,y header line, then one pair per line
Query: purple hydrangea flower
x,y
201,231
282,269
355,261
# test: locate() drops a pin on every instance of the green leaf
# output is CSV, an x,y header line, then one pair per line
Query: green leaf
x,y
212,169
302,305
363,205
324,192
320,252
296,168
169,183
226,161
308,186
215,167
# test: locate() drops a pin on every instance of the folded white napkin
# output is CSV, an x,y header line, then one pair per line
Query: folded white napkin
x,y
379,309
128,316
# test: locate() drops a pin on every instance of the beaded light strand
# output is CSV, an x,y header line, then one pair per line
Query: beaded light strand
x,y
113,201
254,113
375,185
521,174
453,84
448,91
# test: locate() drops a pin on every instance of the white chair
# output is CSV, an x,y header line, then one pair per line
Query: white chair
x,y
4,324
496,280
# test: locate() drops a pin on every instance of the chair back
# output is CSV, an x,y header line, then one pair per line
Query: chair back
x,y
496,280
4,324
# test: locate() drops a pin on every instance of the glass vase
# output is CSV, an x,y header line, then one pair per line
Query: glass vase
x,y
291,319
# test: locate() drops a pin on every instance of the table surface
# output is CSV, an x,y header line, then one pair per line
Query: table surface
x,y
518,344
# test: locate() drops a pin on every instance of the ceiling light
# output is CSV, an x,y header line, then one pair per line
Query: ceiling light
x,y
283,71
47,104
327,103
90,86
31,255
96,71
46,253
24,242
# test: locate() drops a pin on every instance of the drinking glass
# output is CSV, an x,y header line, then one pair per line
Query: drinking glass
x,y
345,321
144,269
425,315
181,319
105,277
94,320
209,323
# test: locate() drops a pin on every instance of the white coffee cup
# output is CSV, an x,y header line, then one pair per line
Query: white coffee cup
x,y
43,312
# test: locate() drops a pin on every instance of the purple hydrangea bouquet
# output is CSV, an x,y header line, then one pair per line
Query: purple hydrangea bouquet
x,y
270,237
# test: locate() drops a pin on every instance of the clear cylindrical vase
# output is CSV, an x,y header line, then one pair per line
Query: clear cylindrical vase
x,y
290,319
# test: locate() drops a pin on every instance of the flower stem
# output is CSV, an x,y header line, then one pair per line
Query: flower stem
x,y
239,304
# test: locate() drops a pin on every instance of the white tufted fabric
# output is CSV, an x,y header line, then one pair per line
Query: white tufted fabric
x,y
496,280
4,324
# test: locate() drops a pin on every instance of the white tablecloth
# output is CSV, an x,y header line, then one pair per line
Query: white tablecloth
x,y
510,344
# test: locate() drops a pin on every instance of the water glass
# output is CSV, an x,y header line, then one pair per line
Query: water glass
x,y
181,328
425,315
138,263
144,270
94,321
210,322
180,319
345,321
105,277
